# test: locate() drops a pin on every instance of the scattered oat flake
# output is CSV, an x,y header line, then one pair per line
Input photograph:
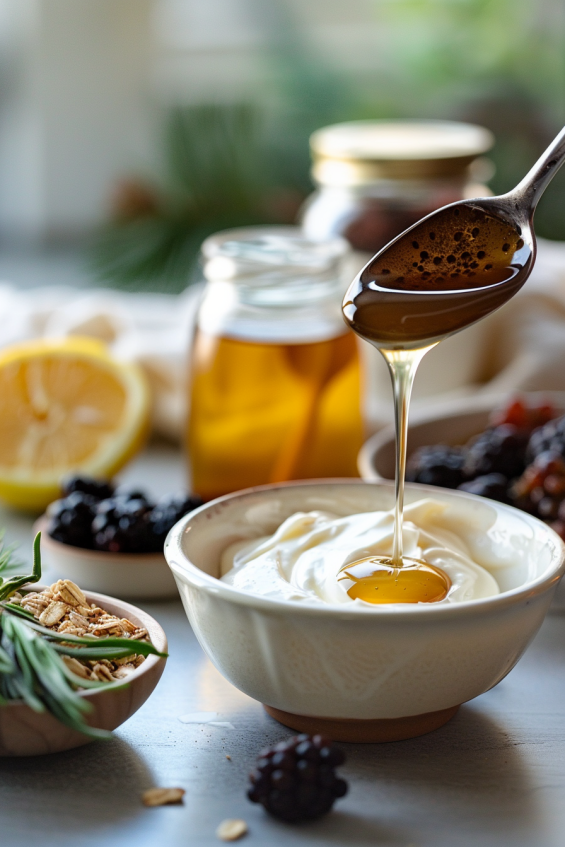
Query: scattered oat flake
x,y
162,796
231,829
228,758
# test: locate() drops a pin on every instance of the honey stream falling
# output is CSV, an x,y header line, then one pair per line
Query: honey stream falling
x,y
441,277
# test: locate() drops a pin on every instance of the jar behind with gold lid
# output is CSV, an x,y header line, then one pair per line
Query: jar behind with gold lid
x,y
275,376
373,180
376,178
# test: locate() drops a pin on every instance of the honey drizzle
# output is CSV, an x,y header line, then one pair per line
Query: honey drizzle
x,y
436,280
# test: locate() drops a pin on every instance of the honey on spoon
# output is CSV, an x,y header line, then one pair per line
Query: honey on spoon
x,y
448,271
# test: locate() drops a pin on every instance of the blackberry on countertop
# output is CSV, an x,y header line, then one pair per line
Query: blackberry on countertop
x,y
437,465
499,450
295,780
492,485
70,519
97,488
551,436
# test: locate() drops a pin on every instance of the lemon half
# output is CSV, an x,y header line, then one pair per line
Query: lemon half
x,y
65,406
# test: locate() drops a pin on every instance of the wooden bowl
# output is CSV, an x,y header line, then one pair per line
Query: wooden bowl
x,y
24,732
138,576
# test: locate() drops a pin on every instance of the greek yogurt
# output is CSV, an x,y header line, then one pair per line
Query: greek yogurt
x,y
303,559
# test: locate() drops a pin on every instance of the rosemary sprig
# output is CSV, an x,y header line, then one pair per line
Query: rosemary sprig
x,y
32,667
10,586
9,565
142,648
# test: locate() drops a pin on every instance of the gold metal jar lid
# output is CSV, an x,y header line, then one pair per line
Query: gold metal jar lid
x,y
359,152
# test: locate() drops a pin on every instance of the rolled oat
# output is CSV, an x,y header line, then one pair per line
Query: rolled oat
x,y
231,829
162,796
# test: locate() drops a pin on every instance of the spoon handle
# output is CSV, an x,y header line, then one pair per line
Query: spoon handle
x,y
528,192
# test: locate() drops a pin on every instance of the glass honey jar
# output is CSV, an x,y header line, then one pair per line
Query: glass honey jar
x,y
275,386
375,178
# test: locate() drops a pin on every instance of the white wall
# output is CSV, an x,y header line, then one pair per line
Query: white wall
x,y
75,112
82,81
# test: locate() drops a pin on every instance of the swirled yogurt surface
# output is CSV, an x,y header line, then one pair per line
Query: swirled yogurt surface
x,y
302,560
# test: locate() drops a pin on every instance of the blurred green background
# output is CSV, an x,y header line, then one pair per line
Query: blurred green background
x,y
499,63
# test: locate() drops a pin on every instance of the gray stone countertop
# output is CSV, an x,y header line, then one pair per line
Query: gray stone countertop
x,y
494,776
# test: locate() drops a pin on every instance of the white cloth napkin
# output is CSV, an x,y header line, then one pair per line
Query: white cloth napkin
x,y
154,330
522,347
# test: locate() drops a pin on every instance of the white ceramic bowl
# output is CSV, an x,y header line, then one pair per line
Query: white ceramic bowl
x,y
24,732
361,674
138,576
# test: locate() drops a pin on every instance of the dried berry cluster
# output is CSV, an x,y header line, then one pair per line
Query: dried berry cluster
x,y
295,780
519,459
92,514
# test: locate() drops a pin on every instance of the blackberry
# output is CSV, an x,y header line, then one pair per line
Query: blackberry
x,y
500,450
124,492
437,465
295,780
169,510
97,488
125,522
541,488
70,519
492,485
551,436
123,526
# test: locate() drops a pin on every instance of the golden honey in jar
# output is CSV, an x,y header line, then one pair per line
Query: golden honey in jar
x,y
275,388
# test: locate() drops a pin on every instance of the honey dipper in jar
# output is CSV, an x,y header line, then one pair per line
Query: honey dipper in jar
x,y
446,272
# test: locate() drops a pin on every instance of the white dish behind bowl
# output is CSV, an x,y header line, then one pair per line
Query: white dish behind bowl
x,y
448,423
451,423
137,576
362,664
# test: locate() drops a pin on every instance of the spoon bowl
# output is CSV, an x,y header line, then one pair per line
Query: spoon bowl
x,y
448,271
452,268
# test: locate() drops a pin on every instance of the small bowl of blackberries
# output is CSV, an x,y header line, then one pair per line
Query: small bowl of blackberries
x,y
513,453
110,538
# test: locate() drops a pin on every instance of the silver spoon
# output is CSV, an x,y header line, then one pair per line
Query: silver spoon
x,y
441,275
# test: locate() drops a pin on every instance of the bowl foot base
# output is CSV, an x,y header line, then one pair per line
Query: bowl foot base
x,y
365,731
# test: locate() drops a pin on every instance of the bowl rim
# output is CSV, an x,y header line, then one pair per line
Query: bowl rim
x,y
156,632
189,572
41,524
443,412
